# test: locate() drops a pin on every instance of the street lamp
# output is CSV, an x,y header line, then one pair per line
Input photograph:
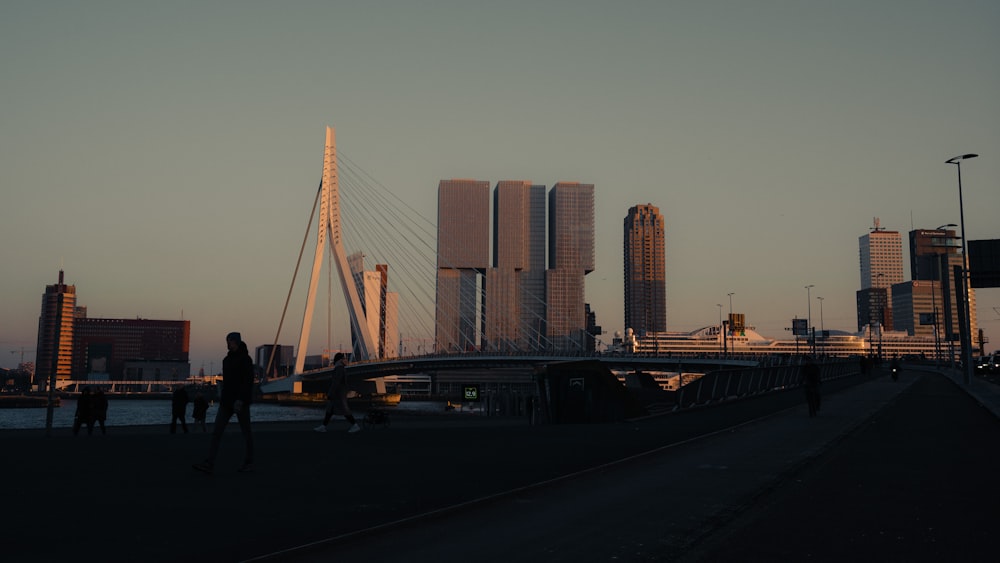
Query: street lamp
x,y
967,328
809,321
822,331
730,325
883,299
721,335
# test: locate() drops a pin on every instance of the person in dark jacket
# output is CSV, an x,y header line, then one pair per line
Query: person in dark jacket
x,y
237,391
336,395
178,406
84,412
200,410
100,409
811,384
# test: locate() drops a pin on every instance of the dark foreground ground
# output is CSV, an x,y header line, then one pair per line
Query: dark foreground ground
x,y
889,472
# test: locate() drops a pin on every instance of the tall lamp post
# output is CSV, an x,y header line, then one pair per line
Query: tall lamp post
x,y
809,322
721,334
967,328
730,325
881,314
822,331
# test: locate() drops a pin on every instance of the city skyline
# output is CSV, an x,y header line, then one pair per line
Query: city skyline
x,y
158,154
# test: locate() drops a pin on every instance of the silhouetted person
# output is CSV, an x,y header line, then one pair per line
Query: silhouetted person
x,y
336,396
811,385
200,410
178,406
237,392
100,409
84,412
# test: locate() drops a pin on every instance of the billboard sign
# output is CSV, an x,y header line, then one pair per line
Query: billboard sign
x,y
800,327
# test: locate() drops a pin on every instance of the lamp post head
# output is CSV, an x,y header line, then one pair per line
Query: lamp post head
x,y
957,159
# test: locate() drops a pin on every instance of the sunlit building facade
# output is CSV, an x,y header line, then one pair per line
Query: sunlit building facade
x,y
380,306
463,256
54,350
571,257
645,270
515,285
935,254
881,259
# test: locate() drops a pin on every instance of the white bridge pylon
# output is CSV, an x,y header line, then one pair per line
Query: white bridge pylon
x,y
331,230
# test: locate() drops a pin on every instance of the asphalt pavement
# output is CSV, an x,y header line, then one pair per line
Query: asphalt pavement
x,y
888,471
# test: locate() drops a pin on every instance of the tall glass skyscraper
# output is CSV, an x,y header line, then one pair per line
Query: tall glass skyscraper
x,y
571,257
881,258
515,285
54,351
463,255
645,270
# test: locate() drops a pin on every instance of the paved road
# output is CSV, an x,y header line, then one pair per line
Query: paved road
x,y
131,495
887,473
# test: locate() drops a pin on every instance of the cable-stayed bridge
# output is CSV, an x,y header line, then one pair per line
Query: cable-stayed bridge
x,y
360,223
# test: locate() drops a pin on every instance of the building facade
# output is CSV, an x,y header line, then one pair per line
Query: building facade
x,y
103,347
935,255
571,257
380,306
881,260
645,270
515,285
463,252
54,349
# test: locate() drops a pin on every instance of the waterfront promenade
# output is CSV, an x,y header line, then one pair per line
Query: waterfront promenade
x,y
888,471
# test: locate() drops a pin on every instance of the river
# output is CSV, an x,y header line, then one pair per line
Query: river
x,y
139,412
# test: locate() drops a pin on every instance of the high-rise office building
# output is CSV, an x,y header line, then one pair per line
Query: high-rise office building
x,y
645,270
380,306
932,302
515,285
54,350
463,251
571,257
881,259
131,349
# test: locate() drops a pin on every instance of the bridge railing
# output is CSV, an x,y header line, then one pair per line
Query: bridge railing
x,y
731,384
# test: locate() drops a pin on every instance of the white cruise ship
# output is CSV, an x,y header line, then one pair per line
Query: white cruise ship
x,y
708,341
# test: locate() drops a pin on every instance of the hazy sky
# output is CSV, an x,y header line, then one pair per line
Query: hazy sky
x,y
166,154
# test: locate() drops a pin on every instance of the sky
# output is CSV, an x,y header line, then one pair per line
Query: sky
x,y
165,155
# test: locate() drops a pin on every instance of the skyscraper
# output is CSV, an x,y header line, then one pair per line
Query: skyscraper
x,y
645,270
463,251
571,257
515,285
54,350
881,258
934,255
380,306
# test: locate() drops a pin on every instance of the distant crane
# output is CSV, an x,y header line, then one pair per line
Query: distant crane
x,y
22,355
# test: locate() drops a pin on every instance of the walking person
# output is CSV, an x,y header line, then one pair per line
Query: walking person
x,y
178,406
811,384
84,412
237,392
100,409
336,396
200,410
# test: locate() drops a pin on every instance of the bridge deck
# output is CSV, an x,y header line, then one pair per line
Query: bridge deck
x,y
891,471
